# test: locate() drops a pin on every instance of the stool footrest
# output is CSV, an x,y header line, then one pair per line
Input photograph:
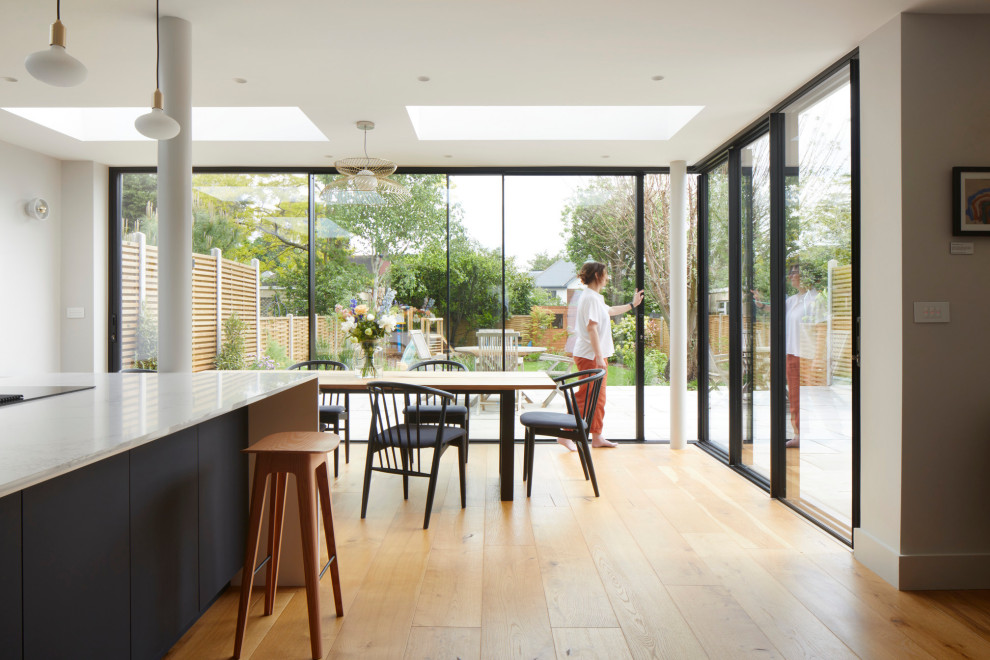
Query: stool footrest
x,y
326,566
262,564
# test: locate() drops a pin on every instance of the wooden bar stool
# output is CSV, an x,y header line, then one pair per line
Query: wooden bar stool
x,y
303,454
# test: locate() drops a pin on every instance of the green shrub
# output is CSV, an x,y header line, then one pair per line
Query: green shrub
x,y
231,354
146,352
276,352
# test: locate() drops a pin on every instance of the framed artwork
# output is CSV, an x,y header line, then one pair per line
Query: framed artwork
x,y
970,201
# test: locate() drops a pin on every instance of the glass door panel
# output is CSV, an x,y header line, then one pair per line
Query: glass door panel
x,y
755,295
718,307
819,323
553,224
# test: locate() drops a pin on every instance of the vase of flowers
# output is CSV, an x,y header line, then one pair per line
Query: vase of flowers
x,y
366,329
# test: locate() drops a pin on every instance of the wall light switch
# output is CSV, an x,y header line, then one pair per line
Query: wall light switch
x,y
931,312
75,313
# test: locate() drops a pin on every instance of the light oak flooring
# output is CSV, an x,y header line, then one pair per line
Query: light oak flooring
x,y
679,558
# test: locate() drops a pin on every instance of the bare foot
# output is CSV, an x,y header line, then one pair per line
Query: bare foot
x,y
600,441
567,442
793,443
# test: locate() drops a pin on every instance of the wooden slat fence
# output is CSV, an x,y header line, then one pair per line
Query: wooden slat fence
x,y
238,290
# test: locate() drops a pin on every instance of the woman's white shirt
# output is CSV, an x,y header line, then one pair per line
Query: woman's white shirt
x,y
591,307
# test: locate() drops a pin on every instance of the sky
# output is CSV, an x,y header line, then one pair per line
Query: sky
x,y
533,206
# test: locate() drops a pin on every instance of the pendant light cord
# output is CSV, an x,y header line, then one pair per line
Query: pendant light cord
x,y
365,138
58,10
158,47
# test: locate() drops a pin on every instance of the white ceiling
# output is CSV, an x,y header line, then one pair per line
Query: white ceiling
x,y
344,61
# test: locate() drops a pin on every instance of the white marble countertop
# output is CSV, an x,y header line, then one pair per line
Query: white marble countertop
x,y
44,438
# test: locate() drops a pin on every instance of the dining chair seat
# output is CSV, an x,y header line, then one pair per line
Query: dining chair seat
x,y
422,435
330,413
550,420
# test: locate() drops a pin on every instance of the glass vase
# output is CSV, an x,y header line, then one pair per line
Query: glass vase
x,y
372,359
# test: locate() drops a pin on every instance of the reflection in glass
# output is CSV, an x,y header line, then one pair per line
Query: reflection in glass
x,y
755,264
819,302
718,306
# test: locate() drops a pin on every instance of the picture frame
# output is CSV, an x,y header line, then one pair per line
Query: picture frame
x,y
971,201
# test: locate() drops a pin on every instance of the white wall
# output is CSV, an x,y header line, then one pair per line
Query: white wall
x,y
877,540
84,266
925,461
30,258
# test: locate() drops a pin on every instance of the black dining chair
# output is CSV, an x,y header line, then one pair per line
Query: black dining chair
x,y
457,414
333,408
573,424
398,445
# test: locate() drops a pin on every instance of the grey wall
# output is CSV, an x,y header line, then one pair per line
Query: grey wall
x,y
84,265
30,262
946,442
939,436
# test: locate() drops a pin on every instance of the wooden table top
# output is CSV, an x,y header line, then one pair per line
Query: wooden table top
x,y
457,381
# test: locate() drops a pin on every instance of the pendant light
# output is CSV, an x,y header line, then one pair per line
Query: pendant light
x,y
156,124
55,66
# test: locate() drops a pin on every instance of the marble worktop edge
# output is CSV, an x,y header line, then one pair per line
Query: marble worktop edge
x,y
46,438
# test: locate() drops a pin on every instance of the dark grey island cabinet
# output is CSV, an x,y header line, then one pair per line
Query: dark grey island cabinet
x,y
119,558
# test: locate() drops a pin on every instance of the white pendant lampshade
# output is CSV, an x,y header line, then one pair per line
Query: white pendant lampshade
x,y
365,180
54,65
156,124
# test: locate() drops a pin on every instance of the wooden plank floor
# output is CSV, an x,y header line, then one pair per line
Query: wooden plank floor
x,y
679,558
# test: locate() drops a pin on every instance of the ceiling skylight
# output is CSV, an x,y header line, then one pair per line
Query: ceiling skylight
x,y
285,124
561,122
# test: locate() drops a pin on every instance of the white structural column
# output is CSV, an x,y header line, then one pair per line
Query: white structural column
x,y
678,302
175,202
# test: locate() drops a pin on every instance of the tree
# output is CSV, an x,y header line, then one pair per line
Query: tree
x,y
544,260
386,233
606,232
138,204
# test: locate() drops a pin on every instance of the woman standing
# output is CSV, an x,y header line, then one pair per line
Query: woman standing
x,y
593,341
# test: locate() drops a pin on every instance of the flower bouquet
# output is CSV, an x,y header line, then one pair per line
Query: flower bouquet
x,y
362,327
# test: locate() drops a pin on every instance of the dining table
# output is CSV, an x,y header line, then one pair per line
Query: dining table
x,y
505,384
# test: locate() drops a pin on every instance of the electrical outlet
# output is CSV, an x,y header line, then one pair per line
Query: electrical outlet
x,y
931,312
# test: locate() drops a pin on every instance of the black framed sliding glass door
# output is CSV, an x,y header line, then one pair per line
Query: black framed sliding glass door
x,y
779,302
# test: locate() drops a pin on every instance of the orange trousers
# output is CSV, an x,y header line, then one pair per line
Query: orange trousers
x,y
794,391
598,419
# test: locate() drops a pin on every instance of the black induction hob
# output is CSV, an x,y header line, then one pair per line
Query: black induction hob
x,y
21,393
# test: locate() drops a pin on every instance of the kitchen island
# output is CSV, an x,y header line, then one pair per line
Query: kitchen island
x,y
123,507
